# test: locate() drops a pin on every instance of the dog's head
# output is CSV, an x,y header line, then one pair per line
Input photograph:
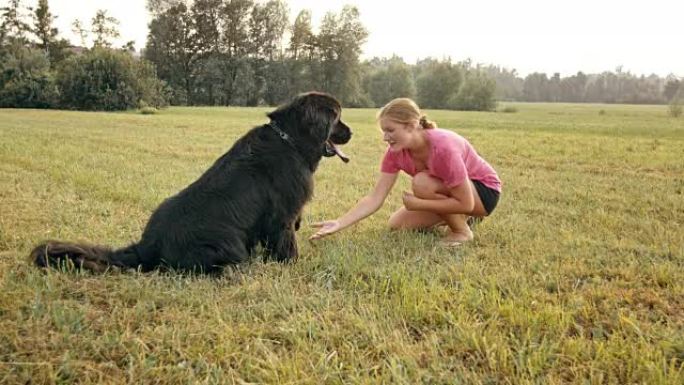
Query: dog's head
x,y
315,118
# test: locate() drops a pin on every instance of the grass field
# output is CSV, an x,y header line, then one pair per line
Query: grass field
x,y
578,277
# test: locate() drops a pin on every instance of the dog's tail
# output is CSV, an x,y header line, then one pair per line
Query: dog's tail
x,y
90,257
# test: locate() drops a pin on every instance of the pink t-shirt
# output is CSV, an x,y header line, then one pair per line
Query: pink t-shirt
x,y
452,159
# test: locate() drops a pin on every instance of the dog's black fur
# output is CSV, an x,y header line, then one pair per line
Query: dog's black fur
x,y
252,195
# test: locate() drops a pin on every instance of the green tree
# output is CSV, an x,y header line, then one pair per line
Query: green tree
x,y
206,16
42,26
303,65
210,81
206,19
172,47
236,45
573,88
339,41
104,28
437,83
13,25
267,25
47,35
554,88
129,46
157,7
535,87
476,93
243,86
235,18
388,79
508,85
672,87
302,37
278,85
79,30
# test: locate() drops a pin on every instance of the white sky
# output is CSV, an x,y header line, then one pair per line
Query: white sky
x,y
549,36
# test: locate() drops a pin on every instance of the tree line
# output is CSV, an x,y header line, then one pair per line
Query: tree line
x,y
605,87
248,53
216,52
233,52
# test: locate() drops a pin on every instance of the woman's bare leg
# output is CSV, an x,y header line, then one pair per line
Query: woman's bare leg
x,y
413,220
427,187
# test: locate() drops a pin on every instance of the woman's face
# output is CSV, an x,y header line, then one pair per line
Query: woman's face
x,y
397,135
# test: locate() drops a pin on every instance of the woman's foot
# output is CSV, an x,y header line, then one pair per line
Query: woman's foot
x,y
454,239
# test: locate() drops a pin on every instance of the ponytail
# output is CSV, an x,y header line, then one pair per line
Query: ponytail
x,y
425,123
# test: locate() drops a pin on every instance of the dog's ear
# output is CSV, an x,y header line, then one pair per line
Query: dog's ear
x,y
321,112
313,114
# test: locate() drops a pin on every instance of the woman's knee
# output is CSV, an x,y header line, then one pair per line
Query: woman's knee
x,y
425,186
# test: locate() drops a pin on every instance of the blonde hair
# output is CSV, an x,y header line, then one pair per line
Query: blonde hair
x,y
405,111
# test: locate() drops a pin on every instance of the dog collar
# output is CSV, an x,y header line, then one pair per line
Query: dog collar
x,y
283,135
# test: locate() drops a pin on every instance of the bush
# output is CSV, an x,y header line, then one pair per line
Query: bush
x,y
148,110
26,80
106,79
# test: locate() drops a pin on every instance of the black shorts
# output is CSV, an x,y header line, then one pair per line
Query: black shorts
x,y
488,196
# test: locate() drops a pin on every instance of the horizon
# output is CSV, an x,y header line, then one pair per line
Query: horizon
x,y
513,37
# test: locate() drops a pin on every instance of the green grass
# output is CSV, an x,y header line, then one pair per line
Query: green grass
x,y
576,278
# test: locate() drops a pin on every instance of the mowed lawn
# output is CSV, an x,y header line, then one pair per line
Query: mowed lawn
x,y
578,277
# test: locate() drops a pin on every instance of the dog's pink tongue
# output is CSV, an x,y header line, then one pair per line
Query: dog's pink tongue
x,y
340,153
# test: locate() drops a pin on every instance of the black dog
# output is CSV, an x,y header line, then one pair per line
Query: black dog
x,y
252,195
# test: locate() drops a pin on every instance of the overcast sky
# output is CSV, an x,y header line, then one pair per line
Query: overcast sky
x,y
549,36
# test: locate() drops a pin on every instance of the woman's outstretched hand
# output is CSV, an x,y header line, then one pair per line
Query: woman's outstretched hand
x,y
325,228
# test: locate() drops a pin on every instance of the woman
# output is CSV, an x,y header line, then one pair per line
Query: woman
x,y
450,180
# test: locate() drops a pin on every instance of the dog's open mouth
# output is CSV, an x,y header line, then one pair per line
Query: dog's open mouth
x,y
331,149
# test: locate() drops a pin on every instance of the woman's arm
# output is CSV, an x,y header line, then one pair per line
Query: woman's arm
x,y
365,207
371,202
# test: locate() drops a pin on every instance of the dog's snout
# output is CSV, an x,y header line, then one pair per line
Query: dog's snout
x,y
341,133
